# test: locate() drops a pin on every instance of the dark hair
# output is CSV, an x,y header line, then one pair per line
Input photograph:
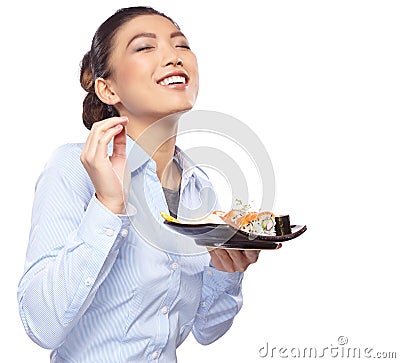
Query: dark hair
x,y
95,63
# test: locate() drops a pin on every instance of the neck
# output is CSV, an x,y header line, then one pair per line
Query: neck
x,y
157,138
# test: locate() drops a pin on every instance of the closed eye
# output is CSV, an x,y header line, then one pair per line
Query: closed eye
x,y
141,49
185,46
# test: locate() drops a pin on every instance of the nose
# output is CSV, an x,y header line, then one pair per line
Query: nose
x,y
172,59
175,61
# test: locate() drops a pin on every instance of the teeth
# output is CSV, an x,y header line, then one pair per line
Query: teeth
x,y
172,79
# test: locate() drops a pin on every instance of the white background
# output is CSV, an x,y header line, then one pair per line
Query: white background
x,y
319,81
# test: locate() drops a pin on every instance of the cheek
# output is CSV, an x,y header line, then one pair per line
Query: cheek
x,y
196,85
194,71
131,73
195,66
133,78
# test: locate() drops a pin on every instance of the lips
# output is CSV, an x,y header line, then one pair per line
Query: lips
x,y
174,79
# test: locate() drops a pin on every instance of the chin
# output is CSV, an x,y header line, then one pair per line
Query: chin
x,y
183,107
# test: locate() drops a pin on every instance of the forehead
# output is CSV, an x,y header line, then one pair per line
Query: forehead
x,y
146,23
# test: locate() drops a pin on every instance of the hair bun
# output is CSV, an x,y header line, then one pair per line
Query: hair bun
x,y
93,110
86,76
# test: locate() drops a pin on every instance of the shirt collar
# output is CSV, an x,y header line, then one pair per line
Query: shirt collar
x,y
187,166
138,157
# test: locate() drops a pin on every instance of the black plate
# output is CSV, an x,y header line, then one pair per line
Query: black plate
x,y
226,236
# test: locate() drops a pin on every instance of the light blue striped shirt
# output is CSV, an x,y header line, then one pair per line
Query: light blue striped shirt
x,y
99,287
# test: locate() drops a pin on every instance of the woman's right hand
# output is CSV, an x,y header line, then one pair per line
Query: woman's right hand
x,y
107,172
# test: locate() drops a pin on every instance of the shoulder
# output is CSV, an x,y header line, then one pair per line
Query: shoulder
x,y
64,167
67,155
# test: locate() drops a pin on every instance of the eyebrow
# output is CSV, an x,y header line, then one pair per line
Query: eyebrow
x,y
154,36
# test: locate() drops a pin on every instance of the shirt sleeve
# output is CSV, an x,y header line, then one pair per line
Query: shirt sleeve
x,y
220,302
74,241
221,299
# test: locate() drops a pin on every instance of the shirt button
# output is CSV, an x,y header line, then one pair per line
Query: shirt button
x,y
164,310
109,232
175,265
88,282
209,272
124,232
203,304
154,355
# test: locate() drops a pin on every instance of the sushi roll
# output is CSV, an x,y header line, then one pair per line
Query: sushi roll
x,y
257,223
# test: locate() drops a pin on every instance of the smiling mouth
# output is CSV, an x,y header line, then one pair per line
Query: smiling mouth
x,y
174,79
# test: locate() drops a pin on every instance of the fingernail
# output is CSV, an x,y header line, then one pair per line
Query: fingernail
x,y
124,118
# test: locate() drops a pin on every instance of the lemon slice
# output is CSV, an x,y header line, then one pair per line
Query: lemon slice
x,y
169,218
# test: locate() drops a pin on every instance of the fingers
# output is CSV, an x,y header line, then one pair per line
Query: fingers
x,y
101,135
106,173
231,260
107,136
100,127
97,149
239,259
251,255
222,261
119,145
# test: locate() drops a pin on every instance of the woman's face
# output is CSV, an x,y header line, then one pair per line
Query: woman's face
x,y
154,72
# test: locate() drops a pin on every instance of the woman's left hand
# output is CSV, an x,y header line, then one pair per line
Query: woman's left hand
x,y
230,260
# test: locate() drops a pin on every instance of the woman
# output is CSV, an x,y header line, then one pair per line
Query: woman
x,y
94,289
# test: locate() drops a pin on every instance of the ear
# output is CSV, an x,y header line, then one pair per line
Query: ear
x,y
104,92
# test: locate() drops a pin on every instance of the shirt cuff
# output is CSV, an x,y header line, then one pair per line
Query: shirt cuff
x,y
221,280
102,229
